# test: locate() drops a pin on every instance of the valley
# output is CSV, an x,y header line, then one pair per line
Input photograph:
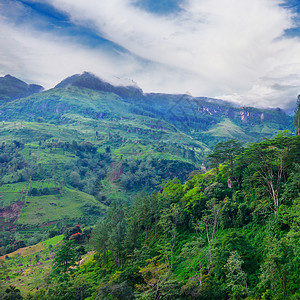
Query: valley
x,y
140,171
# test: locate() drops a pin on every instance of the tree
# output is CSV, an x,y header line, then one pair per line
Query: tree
x,y
236,278
230,242
117,225
210,224
12,293
267,160
74,178
121,291
99,239
168,222
65,258
297,117
225,151
197,258
109,234
155,275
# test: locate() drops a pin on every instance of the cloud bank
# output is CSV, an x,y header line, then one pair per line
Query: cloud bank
x,y
230,49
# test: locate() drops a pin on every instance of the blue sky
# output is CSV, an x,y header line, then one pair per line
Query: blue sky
x,y
246,51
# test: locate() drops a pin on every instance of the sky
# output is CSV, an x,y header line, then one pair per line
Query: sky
x,y
244,51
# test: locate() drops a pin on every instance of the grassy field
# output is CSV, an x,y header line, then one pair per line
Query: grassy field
x,y
23,252
11,193
227,129
29,267
68,204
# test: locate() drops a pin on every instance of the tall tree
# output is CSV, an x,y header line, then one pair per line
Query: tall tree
x,y
197,259
169,219
65,258
225,152
268,160
297,117
99,240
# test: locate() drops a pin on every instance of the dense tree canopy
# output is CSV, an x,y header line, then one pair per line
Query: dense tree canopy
x,y
230,233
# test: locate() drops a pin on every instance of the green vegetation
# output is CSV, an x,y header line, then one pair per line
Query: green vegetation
x,y
12,88
29,267
86,157
230,233
297,117
67,204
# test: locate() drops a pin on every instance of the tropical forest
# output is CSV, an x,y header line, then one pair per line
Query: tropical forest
x,y
107,192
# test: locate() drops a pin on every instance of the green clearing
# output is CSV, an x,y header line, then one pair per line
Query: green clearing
x,y
11,193
29,267
113,191
23,252
68,204
227,129
33,131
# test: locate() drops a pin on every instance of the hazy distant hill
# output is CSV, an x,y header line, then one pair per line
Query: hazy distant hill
x,y
13,88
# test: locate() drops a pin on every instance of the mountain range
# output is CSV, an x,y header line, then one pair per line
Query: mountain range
x,y
203,119
68,152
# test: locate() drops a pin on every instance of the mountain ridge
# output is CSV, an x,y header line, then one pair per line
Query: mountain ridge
x,y
12,88
76,141
125,90
89,96
91,81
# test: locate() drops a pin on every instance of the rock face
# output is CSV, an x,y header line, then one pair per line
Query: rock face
x,y
207,111
12,88
87,96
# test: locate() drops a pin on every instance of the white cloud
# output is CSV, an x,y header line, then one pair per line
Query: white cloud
x,y
45,59
233,49
220,47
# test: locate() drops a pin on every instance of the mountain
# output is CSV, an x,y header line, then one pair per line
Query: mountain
x,y
91,165
69,152
203,119
212,120
13,88
90,81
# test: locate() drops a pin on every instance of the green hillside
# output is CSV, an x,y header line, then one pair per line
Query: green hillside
x,y
68,152
223,234
72,155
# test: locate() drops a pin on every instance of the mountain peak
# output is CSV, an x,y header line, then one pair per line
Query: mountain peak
x,y
13,88
127,90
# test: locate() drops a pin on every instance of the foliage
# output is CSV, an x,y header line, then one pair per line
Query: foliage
x,y
82,156
65,258
297,117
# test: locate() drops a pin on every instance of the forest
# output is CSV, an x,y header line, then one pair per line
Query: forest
x,y
99,201
229,233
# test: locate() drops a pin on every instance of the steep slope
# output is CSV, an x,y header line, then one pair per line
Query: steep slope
x,y
201,117
198,117
53,104
98,143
